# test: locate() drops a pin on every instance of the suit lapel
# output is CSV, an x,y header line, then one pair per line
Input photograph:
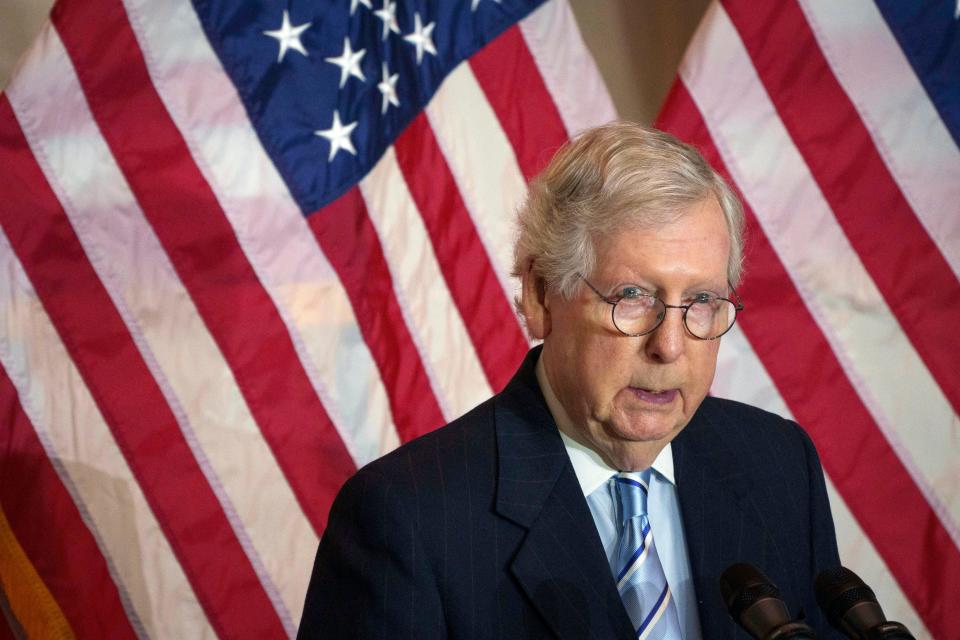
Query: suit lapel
x,y
721,522
560,565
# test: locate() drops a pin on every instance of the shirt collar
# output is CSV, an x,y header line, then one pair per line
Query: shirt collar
x,y
590,468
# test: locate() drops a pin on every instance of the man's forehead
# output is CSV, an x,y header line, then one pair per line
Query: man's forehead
x,y
710,224
696,240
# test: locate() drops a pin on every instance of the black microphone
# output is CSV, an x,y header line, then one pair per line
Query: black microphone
x,y
852,607
755,604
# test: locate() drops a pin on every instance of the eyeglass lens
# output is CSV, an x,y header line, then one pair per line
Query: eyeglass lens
x,y
704,319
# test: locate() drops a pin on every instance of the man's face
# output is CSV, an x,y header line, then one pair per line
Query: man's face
x,y
627,397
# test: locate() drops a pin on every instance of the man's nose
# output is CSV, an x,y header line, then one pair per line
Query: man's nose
x,y
668,340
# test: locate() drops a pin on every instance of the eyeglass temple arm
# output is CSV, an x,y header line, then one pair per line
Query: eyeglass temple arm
x,y
594,289
738,303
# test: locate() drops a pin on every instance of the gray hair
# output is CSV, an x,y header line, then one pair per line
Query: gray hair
x,y
620,175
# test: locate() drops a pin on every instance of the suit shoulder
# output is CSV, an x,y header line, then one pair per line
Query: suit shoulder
x,y
742,410
423,461
733,414
756,429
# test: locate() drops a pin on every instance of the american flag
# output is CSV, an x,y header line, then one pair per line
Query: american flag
x,y
247,247
839,122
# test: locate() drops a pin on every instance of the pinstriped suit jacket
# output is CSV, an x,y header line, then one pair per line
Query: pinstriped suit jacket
x,y
480,529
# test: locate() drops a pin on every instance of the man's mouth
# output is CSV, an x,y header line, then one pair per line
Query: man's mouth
x,y
654,396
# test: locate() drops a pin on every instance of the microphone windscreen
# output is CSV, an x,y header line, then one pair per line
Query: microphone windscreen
x,y
838,590
741,585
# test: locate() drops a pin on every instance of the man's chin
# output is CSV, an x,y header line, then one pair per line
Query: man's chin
x,y
633,447
643,425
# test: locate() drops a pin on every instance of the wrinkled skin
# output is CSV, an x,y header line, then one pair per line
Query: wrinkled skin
x,y
627,397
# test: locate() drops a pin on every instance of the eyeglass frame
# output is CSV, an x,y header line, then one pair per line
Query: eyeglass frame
x,y
613,302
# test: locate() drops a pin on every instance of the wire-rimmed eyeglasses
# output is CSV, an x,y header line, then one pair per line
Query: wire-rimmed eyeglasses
x,y
637,313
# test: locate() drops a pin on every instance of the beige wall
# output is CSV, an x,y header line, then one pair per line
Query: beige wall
x,y
20,20
637,43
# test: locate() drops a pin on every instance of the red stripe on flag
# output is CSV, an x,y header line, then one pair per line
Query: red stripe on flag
x,y
202,246
473,284
349,240
511,80
128,397
903,261
50,530
855,453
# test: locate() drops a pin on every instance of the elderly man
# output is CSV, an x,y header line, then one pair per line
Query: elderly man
x,y
602,493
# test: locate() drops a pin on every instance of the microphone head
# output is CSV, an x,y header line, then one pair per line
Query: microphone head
x,y
755,604
742,584
838,590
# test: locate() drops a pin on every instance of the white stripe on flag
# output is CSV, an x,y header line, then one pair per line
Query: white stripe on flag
x,y
298,278
912,139
853,315
742,376
97,473
567,67
432,316
154,305
483,165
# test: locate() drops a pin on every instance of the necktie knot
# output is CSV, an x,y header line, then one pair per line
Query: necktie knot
x,y
632,488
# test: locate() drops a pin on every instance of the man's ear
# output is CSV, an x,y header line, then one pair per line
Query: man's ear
x,y
533,303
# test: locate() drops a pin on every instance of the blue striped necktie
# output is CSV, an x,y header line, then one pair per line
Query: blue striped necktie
x,y
640,577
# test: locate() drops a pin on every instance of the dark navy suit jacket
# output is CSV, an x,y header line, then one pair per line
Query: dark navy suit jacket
x,y
481,530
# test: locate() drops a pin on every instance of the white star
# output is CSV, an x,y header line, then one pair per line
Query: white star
x,y
289,36
349,63
339,136
421,37
354,3
388,87
389,16
474,3
956,13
